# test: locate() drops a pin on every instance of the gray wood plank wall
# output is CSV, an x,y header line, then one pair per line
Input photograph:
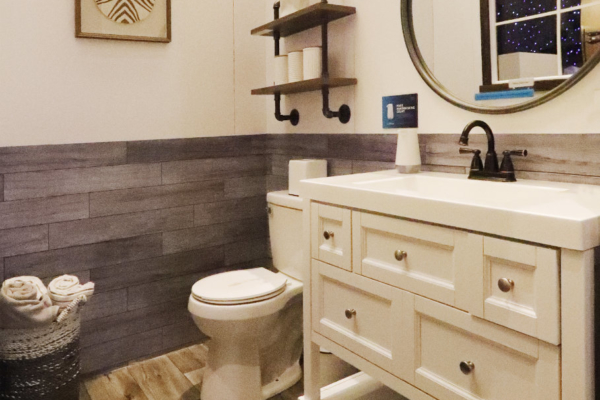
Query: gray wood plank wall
x,y
145,220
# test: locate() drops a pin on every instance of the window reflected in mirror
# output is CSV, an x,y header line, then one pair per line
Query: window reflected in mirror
x,y
540,39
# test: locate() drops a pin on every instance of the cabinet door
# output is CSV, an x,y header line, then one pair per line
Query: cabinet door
x,y
455,356
521,288
432,261
359,314
331,235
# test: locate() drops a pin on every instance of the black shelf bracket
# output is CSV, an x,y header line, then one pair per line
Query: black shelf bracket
x,y
294,116
344,112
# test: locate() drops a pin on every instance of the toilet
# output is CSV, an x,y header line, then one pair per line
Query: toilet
x,y
254,317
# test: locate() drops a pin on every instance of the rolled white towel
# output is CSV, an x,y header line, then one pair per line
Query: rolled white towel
x,y
66,288
24,304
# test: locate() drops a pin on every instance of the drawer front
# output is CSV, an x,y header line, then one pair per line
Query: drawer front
x,y
331,235
431,261
455,356
521,289
355,312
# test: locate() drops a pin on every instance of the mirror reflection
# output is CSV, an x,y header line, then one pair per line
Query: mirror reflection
x,y
505,52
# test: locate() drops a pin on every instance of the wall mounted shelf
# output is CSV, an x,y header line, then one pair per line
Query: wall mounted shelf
x,y
305,86
320,14
304,19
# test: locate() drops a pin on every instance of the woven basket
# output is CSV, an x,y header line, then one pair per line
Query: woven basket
x,y
43,363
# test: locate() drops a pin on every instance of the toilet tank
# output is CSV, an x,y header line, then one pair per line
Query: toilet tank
x,y
285,231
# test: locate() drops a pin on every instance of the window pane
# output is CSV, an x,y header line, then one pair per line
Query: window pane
x,y
533,36
570,3
511,9
572,49
528,49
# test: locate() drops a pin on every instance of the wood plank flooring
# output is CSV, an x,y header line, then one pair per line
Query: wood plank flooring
x,y
174,376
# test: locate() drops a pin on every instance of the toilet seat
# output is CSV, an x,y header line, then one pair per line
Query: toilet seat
x,y
239,287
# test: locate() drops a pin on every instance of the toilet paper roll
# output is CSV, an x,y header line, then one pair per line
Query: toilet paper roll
x,y
295,66
281,70
313,62
408,154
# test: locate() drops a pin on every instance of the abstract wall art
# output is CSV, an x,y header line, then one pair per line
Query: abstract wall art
x,y
142,20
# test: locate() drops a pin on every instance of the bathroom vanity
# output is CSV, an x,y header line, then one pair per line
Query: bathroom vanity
x,y
446,288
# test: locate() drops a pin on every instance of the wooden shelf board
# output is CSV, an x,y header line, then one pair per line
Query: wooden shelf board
x,y
305,86
304,19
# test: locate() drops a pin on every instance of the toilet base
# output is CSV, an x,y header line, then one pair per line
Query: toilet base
x,y
289,378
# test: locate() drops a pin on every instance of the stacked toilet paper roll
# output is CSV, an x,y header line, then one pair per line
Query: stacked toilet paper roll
x,y
295,66
313,62
281,70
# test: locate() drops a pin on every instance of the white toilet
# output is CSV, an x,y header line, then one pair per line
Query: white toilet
x,y
254,317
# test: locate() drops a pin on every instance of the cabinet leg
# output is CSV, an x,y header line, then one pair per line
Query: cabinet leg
x,y
577,309
312,386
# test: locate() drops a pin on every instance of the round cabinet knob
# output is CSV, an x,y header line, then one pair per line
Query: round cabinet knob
x,y
400,255
350,313
506,285
328,235
466,367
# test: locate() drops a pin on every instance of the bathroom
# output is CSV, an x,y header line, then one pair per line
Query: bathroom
x,y
144,166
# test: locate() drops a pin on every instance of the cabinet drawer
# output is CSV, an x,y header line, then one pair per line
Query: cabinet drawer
x,y
520,288
455,356
431,261
331,235
357,313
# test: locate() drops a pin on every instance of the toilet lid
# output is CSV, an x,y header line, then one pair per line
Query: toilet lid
x,y
239,287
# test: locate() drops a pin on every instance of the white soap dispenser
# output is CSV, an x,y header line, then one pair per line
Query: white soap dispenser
x,y
408,154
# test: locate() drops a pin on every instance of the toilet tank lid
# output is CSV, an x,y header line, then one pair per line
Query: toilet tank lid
x,y
284,199
239,286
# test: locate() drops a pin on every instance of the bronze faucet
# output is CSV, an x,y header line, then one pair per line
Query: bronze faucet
x,y
489,170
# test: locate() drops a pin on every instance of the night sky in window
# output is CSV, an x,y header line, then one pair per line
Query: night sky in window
x,y
570,3
572,51
532,36
511,9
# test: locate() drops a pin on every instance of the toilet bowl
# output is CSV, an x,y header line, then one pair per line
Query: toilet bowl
x,y
254,317
248,340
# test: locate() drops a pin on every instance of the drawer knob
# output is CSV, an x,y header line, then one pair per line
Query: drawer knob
x,y
328,235
466,367
400,255
350,313
506,285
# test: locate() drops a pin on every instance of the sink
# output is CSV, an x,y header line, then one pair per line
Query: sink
x,y
458,189
549,213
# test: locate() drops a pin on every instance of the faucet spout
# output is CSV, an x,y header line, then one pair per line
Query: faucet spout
x,y
464,137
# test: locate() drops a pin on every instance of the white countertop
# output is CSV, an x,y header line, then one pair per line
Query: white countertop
x,y
550,213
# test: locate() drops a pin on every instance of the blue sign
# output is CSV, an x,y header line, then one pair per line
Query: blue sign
x,y
401,111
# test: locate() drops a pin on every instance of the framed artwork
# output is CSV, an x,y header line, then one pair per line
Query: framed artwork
x,y
141,20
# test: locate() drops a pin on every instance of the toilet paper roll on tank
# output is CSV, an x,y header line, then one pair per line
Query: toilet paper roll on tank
x,y
304,169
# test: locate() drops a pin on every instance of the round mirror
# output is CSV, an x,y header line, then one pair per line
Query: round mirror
x,y
502,56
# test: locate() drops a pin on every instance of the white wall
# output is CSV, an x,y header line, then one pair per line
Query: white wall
x,y
55,88
383,67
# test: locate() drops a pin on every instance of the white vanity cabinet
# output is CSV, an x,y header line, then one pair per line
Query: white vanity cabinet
x,y
443,313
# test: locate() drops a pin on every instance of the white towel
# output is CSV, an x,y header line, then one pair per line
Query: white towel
x,y
66,288
24,304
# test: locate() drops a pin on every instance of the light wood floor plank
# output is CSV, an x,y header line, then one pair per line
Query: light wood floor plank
x,y
160,380
187,360
118,385
195,377
83,393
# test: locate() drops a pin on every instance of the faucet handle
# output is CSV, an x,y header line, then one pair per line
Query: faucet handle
x,y
476,163
507,164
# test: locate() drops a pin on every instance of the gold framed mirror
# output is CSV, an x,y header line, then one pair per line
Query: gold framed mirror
x,y
495,57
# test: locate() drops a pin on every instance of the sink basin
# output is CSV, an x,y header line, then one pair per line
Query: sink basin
x,y
549,213
461,190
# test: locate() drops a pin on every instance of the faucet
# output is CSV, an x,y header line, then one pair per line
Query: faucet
x,y
489,170
491,158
